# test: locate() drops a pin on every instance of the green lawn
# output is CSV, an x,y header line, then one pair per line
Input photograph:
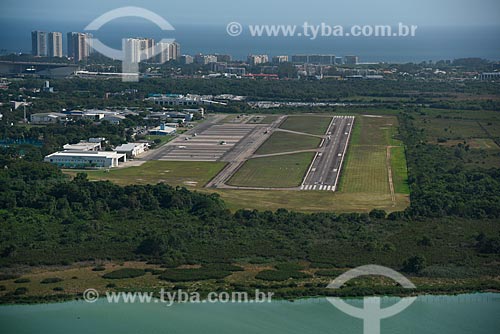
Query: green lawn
x,y
175,173
284,171
269,119
309,201
399,170
365,170
288,142
316,125
365,167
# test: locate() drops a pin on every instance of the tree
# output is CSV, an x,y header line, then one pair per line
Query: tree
x,y
415,264
154,246
378,214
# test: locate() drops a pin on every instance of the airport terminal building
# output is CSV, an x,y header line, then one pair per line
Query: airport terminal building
x,y
86,159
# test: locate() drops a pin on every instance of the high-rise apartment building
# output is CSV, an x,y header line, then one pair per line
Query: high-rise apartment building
x,y
45,44
175,51
317,59
351,60
54,45
163,52
280,59
257,59
79,45
39,41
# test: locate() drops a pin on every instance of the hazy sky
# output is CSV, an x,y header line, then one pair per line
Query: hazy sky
x,y
347,12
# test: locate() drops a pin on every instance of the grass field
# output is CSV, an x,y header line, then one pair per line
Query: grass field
x,y
399,170
310,201
287,142
284,171
365,170
316,125
366,167
269,119
175,173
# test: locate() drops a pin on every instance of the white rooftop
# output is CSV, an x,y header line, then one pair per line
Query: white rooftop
x,y
86,154
128,147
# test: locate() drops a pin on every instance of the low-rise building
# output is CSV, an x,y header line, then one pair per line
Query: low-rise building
x,y
113,119
83,146
48,118
490,76
132,150
172,115
85,159
162,130
97,140
180,100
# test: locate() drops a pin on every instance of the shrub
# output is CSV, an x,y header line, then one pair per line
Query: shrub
x,y
99,268
153,272
223,267
111,285
2,288
152,246
51,280
280,275
425,241
21,291
58,288
186,275
289,266
22,280
321,265
125,273
389,247
329,272
378,214
4,277
415,264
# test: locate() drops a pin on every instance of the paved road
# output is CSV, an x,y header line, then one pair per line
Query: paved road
x,y
325,170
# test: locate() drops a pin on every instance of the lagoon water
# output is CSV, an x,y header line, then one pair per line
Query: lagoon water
x,y
475,313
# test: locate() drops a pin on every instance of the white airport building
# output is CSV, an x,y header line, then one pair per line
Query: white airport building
x,y
86,159
181,100
83,146
132,150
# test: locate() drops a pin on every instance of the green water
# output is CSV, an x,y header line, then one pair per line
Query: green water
x,y
478,313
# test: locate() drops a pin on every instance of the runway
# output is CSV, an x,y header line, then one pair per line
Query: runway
x,y
324,172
